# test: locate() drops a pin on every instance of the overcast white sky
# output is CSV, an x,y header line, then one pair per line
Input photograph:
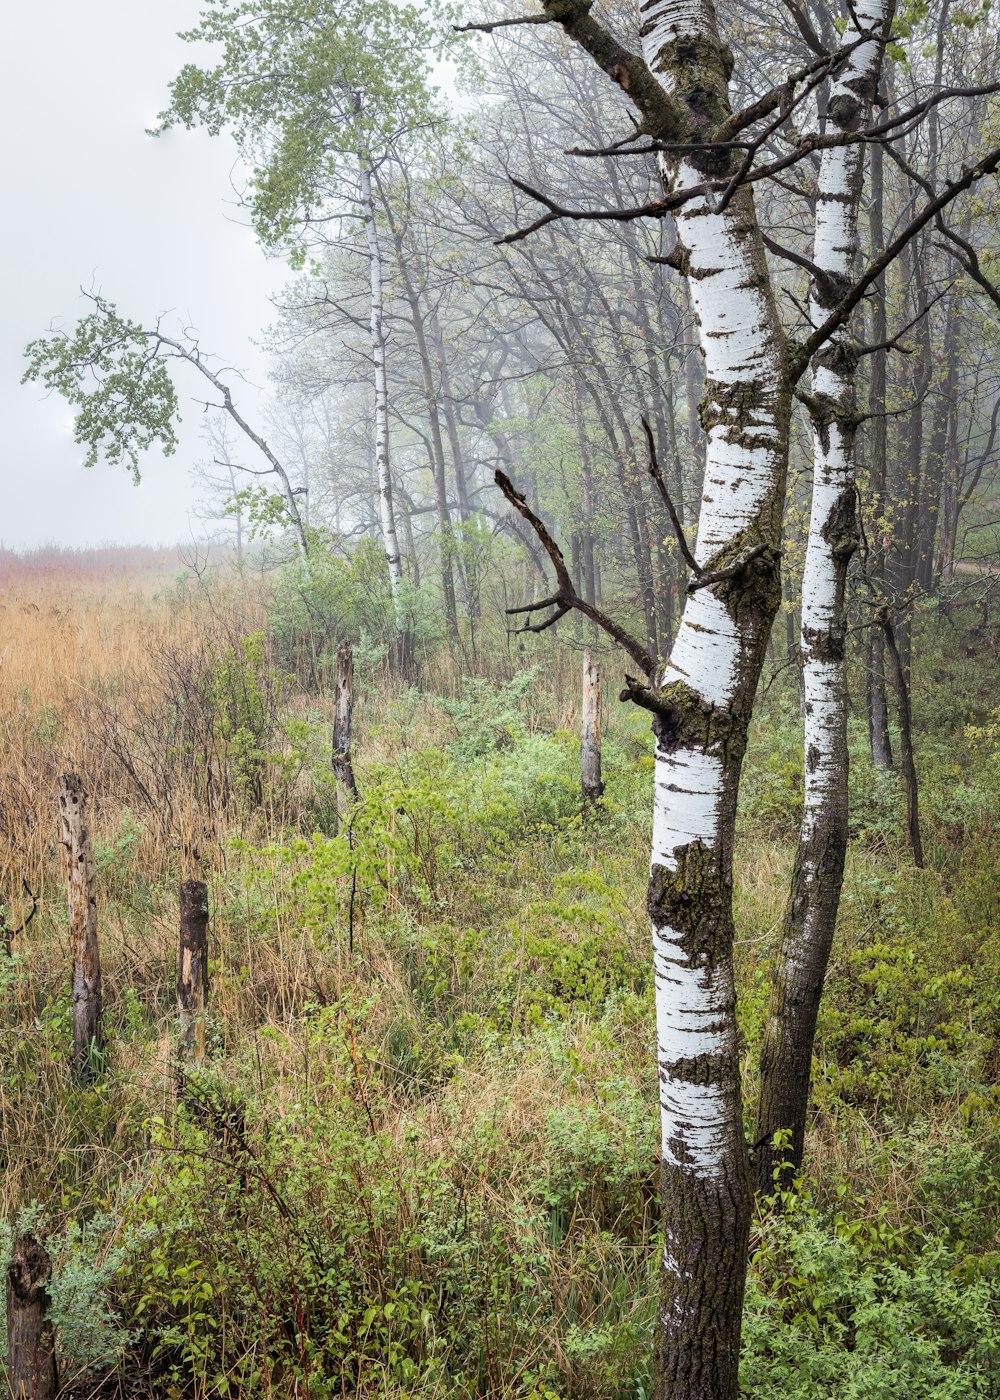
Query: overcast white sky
x,y
90,198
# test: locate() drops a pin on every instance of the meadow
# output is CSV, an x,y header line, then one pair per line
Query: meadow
x,y
420,1158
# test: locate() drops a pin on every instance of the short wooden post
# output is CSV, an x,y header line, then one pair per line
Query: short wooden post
x,y
343,696
87,1033
590,734
192,968
31,1356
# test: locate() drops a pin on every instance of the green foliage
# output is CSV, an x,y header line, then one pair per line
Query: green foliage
x,y
307,90
89,1333
245,692
574,950
264,510
849,1303
110,371
910,1017
487,718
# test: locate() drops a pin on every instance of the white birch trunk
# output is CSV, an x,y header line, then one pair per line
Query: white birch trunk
x,y
707,687
807,934
387,513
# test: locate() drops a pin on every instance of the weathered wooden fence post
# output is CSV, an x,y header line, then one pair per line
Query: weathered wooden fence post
x,y
31,1356
192,968
590,734
87,1034
343,695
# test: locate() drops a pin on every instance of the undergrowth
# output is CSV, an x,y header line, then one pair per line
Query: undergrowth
x,y
421,1157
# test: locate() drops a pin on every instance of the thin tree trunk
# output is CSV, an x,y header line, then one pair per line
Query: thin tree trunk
x,y
343,698
87,1031
192,969
948,539
590,735
907,761
879,741
705,693
817,878
451,421
878,706
445,539
387,513
586,496
31,1357
937,453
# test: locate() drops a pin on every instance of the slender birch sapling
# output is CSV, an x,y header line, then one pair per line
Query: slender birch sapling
x,y
316,98
807,934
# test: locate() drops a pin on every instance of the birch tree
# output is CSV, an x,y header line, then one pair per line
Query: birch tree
x,y
702,697
811,917
316,98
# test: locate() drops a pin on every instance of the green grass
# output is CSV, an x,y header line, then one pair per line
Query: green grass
x,y
421,1160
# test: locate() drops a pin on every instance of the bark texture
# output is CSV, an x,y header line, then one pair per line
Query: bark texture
x,y
703,698
87,1034
807,934
590,734
343,697
386,504
192,969
31,1358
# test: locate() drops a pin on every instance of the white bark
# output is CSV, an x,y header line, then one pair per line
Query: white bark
x,y
745,466
808,930
387,514
833,387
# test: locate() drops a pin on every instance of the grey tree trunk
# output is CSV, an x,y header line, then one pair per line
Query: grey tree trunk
x,y
590,735
87,1033
192,969
907,761
31,1357
878,706
446,542
807,934
343,697
936,467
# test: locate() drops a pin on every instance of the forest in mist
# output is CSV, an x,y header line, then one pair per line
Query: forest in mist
x,y
509,910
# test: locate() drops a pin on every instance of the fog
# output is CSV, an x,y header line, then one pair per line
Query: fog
x,y
92,200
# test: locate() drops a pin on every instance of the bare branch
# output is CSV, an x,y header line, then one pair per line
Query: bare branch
x,y
986,166
487,27
799,259
656,209
661,486
968,259
566,596
705,580
9,934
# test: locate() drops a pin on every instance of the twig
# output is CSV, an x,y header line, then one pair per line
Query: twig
x,y
657,475
720,575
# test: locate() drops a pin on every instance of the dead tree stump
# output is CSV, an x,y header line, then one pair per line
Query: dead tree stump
x,y
343,694
87,1032
192,969
590,735
31,1356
